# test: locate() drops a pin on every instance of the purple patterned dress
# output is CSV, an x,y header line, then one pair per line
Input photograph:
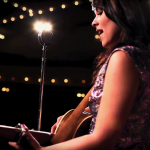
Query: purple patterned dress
x,y
136,134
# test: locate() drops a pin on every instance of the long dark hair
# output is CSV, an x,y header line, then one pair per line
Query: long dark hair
x,y
127,14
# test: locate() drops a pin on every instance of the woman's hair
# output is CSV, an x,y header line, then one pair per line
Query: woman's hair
x,y
127,14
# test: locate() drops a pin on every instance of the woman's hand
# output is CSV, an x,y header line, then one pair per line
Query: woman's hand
x,y
53,128
30,139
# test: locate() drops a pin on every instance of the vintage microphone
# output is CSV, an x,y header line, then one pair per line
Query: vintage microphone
x,y
45,38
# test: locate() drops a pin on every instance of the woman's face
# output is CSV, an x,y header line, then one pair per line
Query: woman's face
x,y
108,30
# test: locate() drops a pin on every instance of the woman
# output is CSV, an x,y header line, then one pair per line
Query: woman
x,y
119,101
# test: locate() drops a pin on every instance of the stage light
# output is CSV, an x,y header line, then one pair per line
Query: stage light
x,y
4,21
40,12
43,26
21,16
30,14
76,3
39,80
2,36
82,95
83,81
79,95
65,80
26,79
3,89
15,5
24,8
51,9
30,11
7,90
63,6
53,80
12,19
96,36
5,1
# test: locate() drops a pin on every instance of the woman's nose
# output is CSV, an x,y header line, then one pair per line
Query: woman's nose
x,y
94,23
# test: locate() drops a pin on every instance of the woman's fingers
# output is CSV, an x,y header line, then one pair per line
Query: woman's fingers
x,y
15,145
53,128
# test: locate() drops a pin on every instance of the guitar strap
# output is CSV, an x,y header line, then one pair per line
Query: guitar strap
x,y
64,131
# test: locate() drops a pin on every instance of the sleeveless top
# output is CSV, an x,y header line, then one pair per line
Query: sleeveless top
x,y
136,134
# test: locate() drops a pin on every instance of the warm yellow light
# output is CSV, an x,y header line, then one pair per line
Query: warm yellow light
x,y
0,77
7,90
2,36
15,5
79,95
30,14
63,6
24,8
21,16
90,0
39,80
82,95
30,11
26,79
12,19
39,26
76,3
40,12
96,36
13,78
53,80
3,89
66,80
4,21
83,81
5,1
47,27
51,9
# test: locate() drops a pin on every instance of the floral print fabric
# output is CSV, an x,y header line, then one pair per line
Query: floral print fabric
x,y
136,134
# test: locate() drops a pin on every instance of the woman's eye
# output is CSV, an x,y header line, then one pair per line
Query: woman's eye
x,y
100,12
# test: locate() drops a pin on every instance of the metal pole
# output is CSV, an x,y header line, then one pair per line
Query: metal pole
x,y
42,85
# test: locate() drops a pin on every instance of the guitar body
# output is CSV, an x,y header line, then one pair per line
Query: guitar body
x,y
82,125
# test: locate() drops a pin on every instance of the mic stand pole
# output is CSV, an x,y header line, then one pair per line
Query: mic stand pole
x,y
44,38
42,85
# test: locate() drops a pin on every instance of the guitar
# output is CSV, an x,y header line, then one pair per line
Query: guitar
x,y
9,133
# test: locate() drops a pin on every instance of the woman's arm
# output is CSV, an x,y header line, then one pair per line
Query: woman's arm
x,y
120,90
119,93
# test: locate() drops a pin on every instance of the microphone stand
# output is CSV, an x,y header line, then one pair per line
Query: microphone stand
x,y
42,38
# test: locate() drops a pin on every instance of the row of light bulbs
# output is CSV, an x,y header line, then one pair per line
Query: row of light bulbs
x,y
26,79
4,89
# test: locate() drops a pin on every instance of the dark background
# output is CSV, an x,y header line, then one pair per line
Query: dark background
x,y
70,56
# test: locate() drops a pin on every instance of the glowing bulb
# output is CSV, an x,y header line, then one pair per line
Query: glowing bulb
x,y
4,21
83,81
21,16
53,80
5,1
24,8
3,89
47,27
82,95
26,79
30,14
51,9
40,12
39,80
30,11
12,19
15,5
7,90
2,36
66,80
63,6
96,36
79,95
76,3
